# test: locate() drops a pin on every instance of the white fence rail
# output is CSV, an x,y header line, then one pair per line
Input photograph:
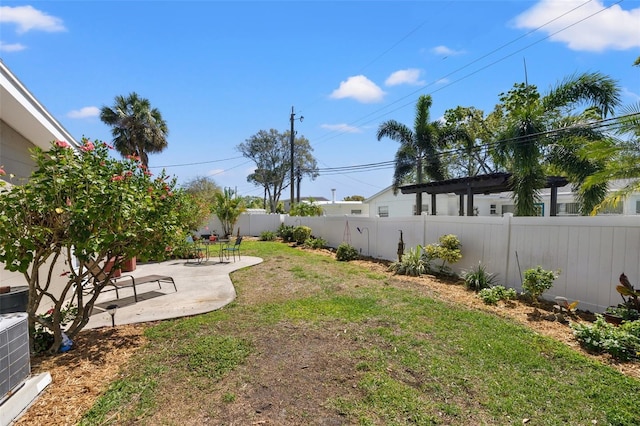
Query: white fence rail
x,y
589,252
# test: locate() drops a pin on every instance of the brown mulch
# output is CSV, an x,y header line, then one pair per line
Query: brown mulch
x,y
81,375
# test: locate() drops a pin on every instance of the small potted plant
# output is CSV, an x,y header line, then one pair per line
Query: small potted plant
x,y
622,312
629,309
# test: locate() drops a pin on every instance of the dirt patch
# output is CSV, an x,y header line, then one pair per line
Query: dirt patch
x,y
312,366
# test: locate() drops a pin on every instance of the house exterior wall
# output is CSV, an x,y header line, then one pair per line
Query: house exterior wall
x,y
14,154
449,204
341,208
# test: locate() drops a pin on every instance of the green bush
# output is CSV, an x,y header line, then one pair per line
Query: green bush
x,y
478,278
315,243
492,295
285,232
537,281
301,234
622,342
346,252
412,263
447,249
267,236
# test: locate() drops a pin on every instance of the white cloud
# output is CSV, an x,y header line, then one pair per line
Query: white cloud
x,y
27,18
359,88
84,112
444,50
14,47
344,128
409,76
613,28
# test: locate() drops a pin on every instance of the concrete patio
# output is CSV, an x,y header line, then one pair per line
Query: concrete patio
x,y
202,287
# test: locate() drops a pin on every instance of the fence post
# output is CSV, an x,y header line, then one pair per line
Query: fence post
x,y
506,229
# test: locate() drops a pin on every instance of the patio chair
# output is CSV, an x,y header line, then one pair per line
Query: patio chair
x,y
96,275
233,249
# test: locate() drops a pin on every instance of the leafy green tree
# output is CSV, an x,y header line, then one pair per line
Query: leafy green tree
x,y
202,191
88,205
253,202
305,162
228,207
354,198
306,208
470,156
271,152
137,128
535,125
419,148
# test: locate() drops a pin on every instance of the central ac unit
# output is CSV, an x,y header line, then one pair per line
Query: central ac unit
x,y
15,364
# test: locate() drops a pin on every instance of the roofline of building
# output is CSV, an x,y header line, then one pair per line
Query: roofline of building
x,y
25,114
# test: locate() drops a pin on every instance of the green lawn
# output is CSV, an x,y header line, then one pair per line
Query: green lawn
x,y
310,340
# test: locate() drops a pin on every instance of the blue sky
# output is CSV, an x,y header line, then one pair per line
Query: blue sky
x,y
222,71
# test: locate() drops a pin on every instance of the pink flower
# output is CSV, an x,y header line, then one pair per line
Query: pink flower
x,y
162,197
133,157
148,173
129,173
117,178
68,201
62,144
2,172
88,146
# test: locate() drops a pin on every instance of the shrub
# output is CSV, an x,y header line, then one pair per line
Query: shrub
x,y
346,252
412,263
315,243
267,236
447,249
285,232
537,281
492,295
478,278
301,234
622,342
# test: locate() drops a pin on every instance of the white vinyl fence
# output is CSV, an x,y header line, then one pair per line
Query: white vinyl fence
x,y
589,252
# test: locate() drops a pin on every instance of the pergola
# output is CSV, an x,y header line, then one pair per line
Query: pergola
x,y
482,184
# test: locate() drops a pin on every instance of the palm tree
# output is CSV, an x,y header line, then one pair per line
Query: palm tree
x,y
419,148
543,127
621,158
137,128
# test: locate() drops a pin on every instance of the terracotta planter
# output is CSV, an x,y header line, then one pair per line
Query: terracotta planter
x,y
129,265
612,319
109,265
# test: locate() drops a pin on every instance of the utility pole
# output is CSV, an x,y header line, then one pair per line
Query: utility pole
x,y
293,134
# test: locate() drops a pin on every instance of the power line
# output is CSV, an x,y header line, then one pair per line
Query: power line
x,y
196,164
329,135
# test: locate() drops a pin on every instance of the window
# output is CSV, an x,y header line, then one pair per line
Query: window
x,y
425,208
637,206
568,209
356,211
508,208
383,211
493,209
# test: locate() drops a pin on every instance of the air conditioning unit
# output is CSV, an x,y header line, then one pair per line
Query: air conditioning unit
x,y
15,362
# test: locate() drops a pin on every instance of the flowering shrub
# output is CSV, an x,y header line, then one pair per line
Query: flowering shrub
x,y
85,200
